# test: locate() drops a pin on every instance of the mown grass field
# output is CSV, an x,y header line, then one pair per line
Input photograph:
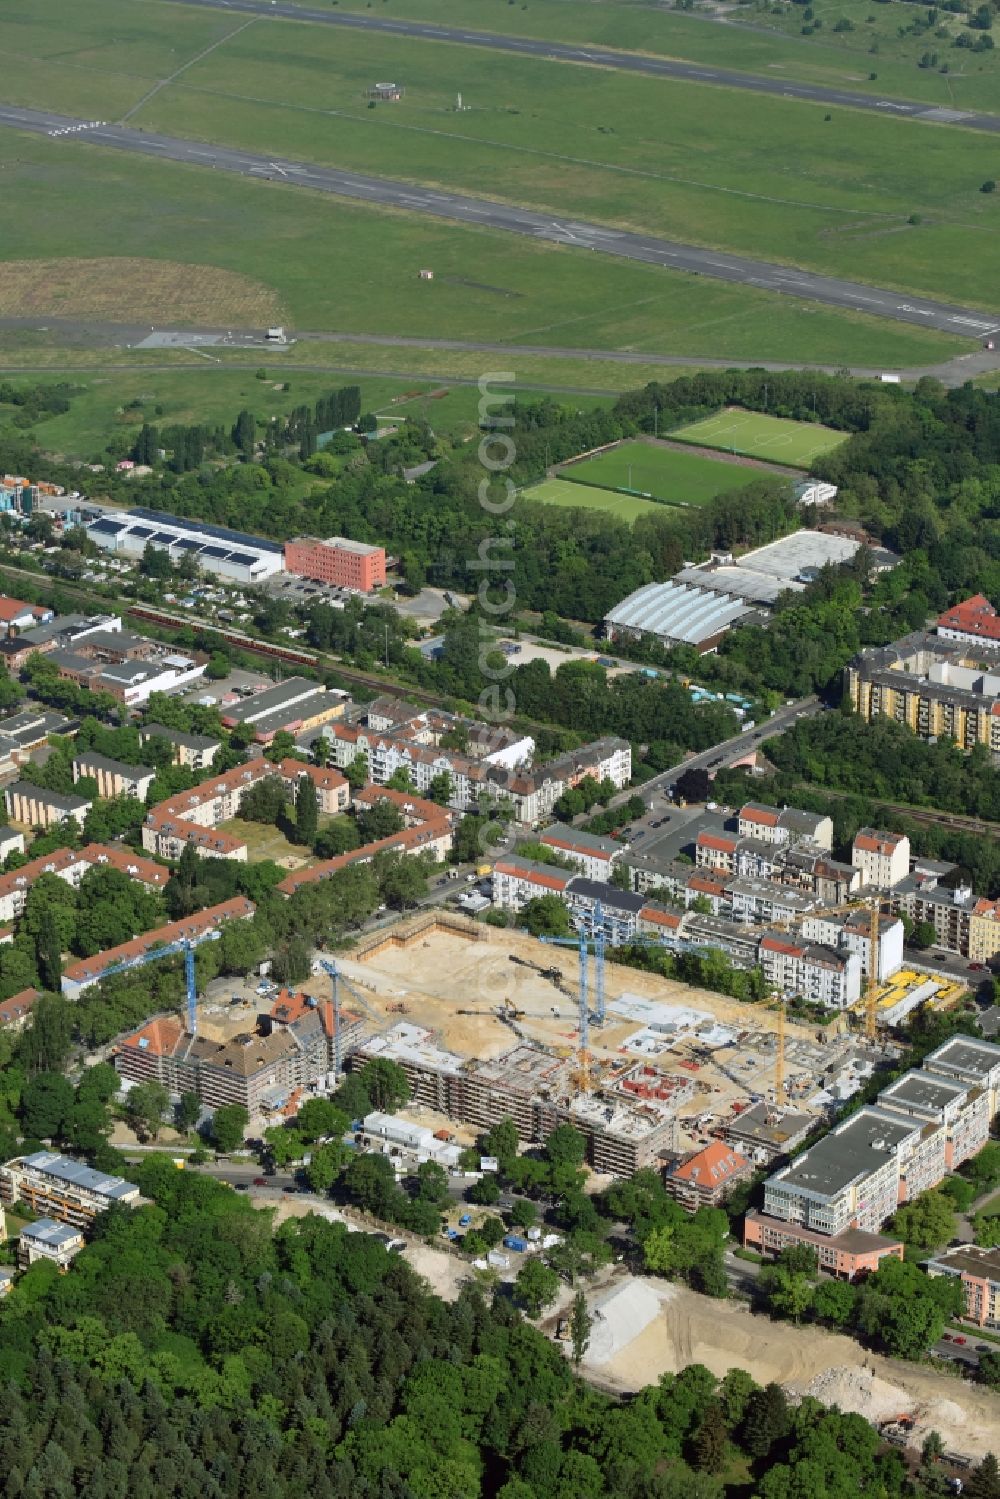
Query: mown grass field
x,y
771,438
569,496
103,403
677,478
762,37
353,269
869,197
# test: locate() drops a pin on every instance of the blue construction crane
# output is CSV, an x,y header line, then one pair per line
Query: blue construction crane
x,y
337,978
185,945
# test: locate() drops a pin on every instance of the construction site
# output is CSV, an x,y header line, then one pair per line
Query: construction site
x,y
489,1023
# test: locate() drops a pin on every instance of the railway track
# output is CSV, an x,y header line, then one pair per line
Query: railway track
x,y
918,814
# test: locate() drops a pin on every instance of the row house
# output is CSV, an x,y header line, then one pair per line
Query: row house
x,y
852,931
195,929
882,859
819,974
70,865
517,880
431,839
114,778
594,857
784,825
191,815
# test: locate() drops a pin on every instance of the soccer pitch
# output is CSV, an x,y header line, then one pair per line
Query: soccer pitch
x,y
771,438
670,476
583,497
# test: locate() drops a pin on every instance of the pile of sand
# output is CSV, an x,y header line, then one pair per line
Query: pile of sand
x,y
861,1391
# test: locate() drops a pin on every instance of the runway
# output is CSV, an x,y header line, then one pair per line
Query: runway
x,y
628,62
382,192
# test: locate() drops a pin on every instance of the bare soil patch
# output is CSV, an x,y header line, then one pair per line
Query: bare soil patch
x,y
126,288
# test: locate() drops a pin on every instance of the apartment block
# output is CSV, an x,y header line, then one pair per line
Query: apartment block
x,y
816,973
974,621
71,865
193,751
984,931
960,1110
969,1060
628,1123
849,1179
979,1272
197,928
706,1177
882,858
594,857
113,777
516,881
939,688
784,825
47,1239
33,807
292,1048
56,1186
337,561
852,932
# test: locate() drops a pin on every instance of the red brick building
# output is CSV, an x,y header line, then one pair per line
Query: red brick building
x,y
337,561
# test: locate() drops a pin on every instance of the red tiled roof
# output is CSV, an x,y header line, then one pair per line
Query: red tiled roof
x,y
724,842
975,616
660,918
710,1167
783,944
158,1037
191,926
766,816
14,1009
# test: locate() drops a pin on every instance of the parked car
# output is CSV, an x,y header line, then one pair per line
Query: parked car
x,y
260,1181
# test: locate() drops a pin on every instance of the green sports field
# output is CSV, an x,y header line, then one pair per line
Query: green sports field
x,y
770,438
626,507
672,477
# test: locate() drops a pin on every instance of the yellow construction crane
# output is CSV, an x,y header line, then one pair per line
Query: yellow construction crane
x,y
873,904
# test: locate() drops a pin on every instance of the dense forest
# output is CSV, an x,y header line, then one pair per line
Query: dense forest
x,y
192,1351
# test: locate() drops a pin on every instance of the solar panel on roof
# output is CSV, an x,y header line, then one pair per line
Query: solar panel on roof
x,y
204,528
189,544
165,538
142,533
214,552
108,527
242,559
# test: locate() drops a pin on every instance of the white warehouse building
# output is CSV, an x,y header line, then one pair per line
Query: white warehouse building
x,y
677,614
216,549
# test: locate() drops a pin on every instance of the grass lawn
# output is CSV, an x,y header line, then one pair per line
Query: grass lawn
x,y
487,286
266,842
678,478
101,406
761,37
758,436
582,497
672,158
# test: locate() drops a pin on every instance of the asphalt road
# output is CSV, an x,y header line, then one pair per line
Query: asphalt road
x,y
384,192
628,62
720,755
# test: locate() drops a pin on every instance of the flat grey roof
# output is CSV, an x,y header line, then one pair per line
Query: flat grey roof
x,y
923,1090
80,1175
608,895
966,1054
261,704
864,1143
